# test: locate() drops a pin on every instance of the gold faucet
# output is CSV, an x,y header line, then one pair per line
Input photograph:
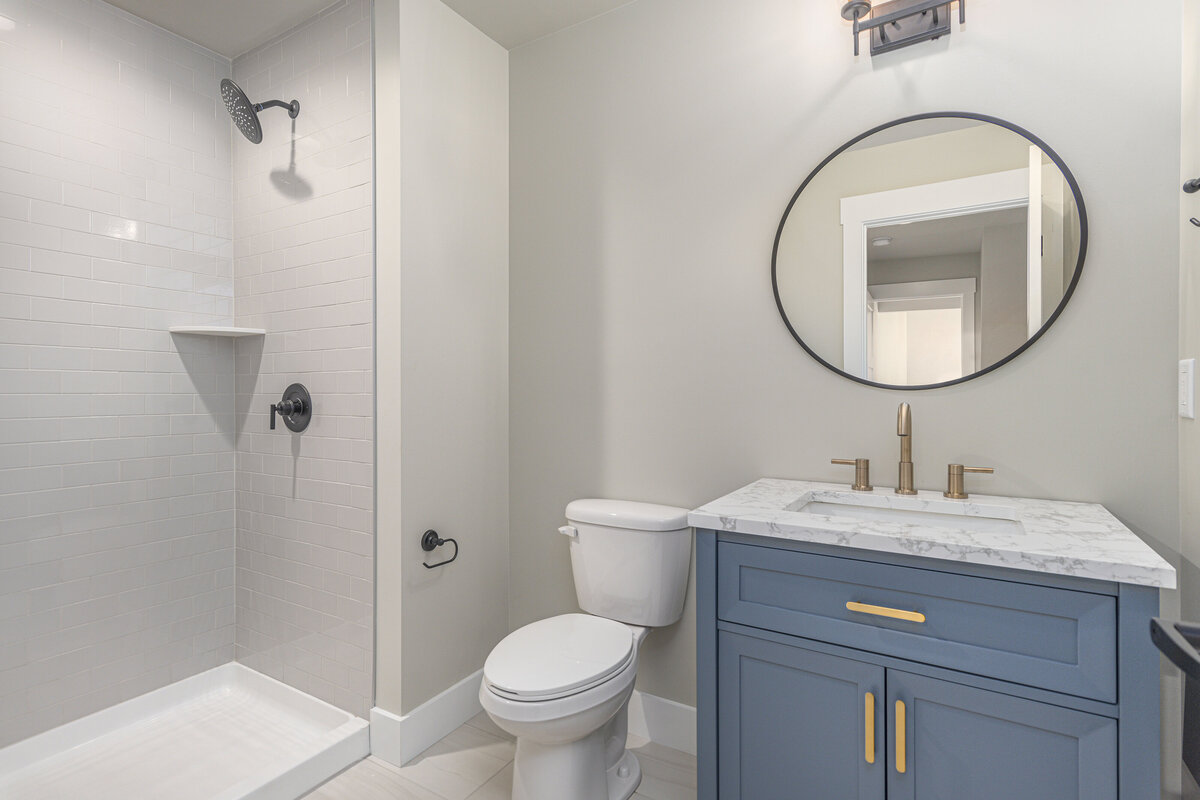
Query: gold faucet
x,y
904,431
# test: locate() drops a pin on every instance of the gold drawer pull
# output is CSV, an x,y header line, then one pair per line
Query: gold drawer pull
x,y
869,748
884,611
901,731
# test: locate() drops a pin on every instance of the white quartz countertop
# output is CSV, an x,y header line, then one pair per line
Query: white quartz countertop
x,y
1083,540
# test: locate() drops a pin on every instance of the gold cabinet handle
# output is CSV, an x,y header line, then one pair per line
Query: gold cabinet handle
x,y
884,611
901,748
869,745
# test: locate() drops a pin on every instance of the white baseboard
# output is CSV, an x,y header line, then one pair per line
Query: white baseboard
x,y
663,721
400,739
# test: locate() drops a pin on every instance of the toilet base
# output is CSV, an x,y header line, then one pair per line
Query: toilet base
x,y
624,777
575,771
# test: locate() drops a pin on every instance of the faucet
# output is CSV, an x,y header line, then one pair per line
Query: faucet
x,y
904,431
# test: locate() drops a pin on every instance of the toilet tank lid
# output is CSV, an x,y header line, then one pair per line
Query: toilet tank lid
x,y
627,514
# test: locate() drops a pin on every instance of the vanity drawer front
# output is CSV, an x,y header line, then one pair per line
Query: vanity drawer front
x,y
1055,639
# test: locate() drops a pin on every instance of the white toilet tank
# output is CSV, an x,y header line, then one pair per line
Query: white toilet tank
x,y
630,560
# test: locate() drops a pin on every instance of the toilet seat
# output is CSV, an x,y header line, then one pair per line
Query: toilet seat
x,y
559,657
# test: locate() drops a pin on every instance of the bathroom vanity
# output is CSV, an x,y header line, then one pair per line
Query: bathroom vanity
x,y
866,645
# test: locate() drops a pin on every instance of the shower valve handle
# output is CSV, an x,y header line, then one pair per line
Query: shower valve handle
x,y
295,408
286,408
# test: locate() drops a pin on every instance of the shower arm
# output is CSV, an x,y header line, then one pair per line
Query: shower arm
x,y
292,107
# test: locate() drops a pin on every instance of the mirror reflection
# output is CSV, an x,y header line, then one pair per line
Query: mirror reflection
x,y
929,251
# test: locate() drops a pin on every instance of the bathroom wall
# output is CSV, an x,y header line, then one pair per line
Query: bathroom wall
x,y
443,347
303,268
116,438
1003,303
1189,335
653,151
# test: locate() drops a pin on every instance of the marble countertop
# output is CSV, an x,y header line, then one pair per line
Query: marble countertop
x,y
1083,540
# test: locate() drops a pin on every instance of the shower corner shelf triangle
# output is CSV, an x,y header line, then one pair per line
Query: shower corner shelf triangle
x,y
225,331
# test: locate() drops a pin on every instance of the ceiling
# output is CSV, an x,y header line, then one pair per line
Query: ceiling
x,y
228,27
234,27
948,236
513,23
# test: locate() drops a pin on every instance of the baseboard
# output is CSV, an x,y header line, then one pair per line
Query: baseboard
x,y
663,721
400,739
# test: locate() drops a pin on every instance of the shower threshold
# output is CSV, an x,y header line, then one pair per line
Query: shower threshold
x,y
227,734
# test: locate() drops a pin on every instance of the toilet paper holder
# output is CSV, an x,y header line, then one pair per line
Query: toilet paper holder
x,y
430,541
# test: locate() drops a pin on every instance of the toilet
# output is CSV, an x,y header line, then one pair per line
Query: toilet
x,y
562,685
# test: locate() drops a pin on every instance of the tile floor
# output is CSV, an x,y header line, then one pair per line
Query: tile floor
x,y
475,763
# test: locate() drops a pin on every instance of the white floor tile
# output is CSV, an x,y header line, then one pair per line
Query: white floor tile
x,y
484,723
498,788
371,779
477,759
459,764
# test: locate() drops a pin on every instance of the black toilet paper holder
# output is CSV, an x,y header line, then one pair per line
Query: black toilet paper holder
x,y
430,541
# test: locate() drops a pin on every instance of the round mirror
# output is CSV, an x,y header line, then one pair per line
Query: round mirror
x,y
929,250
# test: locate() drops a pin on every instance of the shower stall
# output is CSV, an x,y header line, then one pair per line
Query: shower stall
x,y
186,593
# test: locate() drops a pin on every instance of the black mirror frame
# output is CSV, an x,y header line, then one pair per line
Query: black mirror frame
x,y
1083,243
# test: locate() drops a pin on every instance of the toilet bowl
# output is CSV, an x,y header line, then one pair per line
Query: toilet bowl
x,y
562,685
571,717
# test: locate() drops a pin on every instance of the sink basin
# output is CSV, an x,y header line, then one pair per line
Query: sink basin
x,y
905,511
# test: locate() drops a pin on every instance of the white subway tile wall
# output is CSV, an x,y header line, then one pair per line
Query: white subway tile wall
x,y
303,269
117,440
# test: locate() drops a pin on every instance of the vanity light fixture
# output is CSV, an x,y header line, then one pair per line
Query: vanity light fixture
x,y
881,241
900,23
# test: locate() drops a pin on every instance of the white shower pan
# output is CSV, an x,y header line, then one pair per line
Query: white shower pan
x,y
227,734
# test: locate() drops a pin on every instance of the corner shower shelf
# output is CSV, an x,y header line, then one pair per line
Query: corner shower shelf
x,y
225,331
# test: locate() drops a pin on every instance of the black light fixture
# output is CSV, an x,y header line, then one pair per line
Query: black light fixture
x,y
900,23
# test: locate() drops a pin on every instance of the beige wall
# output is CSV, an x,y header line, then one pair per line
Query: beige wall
x,y
653,151
1189,331
1003,298
442,347
1189,345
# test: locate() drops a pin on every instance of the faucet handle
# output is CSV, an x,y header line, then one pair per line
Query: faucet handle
x,y
862,472
955,488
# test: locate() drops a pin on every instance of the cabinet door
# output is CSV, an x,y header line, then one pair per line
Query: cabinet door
x,y
962,743
798,725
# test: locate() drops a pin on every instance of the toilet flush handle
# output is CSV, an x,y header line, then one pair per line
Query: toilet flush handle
x,y
569,530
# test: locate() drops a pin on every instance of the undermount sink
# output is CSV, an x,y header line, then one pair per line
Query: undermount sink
x,y
912,512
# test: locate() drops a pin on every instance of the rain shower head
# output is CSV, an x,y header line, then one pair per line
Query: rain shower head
x,y
245,113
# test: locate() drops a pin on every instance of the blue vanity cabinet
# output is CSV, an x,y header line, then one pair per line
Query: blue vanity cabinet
x,y
963,743
798,718
1013,684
